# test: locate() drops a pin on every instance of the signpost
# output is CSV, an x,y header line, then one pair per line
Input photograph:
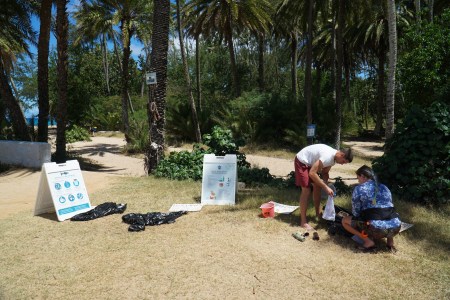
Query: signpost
x,y
310,133
219,179
62,189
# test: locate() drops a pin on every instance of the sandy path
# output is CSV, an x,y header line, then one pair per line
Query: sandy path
x,y
19,187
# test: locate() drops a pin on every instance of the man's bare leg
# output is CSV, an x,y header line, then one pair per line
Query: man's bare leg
x,y
304,197
317,193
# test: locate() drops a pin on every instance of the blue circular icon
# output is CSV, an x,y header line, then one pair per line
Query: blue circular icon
x,y
57,186
62,199
76,182
67,184
71,197
80,196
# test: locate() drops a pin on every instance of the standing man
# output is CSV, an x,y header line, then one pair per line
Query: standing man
x,y
309,163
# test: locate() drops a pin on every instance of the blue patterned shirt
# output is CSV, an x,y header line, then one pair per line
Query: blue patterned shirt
x,y
367,196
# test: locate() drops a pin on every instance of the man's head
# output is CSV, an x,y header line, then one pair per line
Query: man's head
x,y
344,156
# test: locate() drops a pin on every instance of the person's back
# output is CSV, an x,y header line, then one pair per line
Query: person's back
x,y
371,195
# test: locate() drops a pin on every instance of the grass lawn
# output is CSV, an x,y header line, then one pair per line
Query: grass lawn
x,y
226,252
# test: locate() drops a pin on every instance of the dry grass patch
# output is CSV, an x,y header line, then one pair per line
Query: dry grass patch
x,y
220,252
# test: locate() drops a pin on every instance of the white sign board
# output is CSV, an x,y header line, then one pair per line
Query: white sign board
x,y
151,78
311,131
219,179
62,189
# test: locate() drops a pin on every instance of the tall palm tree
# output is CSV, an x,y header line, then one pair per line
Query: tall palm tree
x,y
392,58
62,35
45,15
198,136
157,96
226,16
338,78
96,17
15,32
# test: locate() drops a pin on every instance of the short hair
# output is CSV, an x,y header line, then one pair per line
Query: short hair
x,y
348,154
366,172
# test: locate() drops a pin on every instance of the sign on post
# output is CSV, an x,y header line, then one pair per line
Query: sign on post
x,y
311,131
62,189
151,78
219,179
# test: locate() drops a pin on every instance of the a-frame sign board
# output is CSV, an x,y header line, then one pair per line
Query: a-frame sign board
x,y
62,189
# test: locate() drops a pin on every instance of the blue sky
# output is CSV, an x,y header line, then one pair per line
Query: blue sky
x,y
136,46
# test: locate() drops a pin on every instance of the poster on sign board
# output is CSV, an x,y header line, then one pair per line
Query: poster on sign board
x,y
62,189
219,179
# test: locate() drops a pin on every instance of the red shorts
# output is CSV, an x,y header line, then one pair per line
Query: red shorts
x,y
301,173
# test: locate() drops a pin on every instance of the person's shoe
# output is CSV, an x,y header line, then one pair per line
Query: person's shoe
x,y
307,227
315,236
299,236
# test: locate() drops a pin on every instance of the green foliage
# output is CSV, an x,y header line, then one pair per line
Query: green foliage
x,y
138,134
424,66
76,134
221,142
341,188
182,165
416,161
259,177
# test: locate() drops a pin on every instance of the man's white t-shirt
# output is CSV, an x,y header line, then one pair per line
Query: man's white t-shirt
x,y
310,154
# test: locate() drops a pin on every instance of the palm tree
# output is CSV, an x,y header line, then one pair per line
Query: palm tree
x,y
392,58
338,77
62,34
225,16
45,15
96,17
198,136
157,96
15,32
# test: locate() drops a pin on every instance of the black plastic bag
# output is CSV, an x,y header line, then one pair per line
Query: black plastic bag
x,y
336,227
101,210
139,221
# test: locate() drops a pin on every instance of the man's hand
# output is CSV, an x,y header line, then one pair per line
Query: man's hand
x,y
330,192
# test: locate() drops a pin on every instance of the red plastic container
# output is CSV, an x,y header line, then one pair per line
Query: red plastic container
x,y
268,210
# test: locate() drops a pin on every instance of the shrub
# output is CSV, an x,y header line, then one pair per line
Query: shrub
x,y
76,134
416,159
182,165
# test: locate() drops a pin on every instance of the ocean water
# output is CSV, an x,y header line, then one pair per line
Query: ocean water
x,y
35,120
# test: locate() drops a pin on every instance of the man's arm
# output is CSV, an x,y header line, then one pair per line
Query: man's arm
x,y
313,174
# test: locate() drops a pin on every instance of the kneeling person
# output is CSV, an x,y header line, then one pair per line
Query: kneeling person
x,y
373,211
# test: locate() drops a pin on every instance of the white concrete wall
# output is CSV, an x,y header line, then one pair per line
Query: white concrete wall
x,y
26,154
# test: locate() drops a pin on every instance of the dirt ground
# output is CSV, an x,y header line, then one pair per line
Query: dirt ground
x,y
19,186
217,253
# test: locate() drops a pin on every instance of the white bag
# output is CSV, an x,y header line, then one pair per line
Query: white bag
x,y
329,213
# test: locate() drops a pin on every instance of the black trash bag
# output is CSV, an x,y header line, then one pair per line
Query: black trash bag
x,y
336,227
101,210
139,221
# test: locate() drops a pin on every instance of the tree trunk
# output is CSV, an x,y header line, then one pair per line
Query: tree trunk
x,y
12,105
234,75
198,136
338,79
62,33
294,55
157,100
380,93
261,83
105,62
308,67
125,77
392,57
197,73
116,51
430,10
45,15
417,6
